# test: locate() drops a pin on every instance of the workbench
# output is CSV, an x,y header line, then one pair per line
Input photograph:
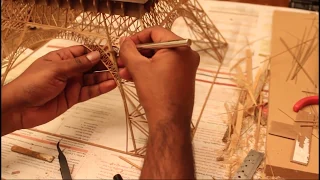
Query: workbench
x,y
93,132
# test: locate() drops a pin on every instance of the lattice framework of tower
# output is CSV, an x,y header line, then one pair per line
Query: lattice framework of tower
x,y
98,24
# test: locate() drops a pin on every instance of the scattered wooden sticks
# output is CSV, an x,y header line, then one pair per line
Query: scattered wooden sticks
x,y
308,51
250,99
293,47
310,92
297,61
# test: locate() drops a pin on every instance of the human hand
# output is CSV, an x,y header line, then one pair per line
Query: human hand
x,y
53,84
165,82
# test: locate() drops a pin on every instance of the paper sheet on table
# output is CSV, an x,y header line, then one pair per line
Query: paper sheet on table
x,y
102,121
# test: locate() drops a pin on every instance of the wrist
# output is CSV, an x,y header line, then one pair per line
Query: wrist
x,y
10,100
173,121
11,110
10,122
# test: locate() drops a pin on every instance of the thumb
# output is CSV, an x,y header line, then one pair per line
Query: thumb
x,y
129,54
82,63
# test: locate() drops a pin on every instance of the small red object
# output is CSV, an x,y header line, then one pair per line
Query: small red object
x,y
311,100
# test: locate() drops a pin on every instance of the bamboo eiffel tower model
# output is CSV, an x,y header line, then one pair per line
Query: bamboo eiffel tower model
x,y
98,24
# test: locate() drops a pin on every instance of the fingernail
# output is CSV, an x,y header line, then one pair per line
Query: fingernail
x,y
93,56
121,39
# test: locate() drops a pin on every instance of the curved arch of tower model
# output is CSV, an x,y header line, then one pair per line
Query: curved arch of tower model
x,y
98,24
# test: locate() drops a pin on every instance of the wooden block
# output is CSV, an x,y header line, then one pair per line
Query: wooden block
x,y
304,116
283,130
34,154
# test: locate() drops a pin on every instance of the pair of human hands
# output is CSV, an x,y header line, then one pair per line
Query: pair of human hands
x,y
165,81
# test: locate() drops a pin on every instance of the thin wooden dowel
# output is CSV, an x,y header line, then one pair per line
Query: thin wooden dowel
x,y
140,120
286,114
271,57
131,163
207,98
84,142
241,109
144,131
142,148
310,92
298,50
132,94
301,50
257,132
141,114
306,73
305,60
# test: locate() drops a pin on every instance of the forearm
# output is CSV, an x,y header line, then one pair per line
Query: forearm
x,y
169,151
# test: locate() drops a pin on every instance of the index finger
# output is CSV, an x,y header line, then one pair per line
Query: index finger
x,y
154,34
77,50
68,52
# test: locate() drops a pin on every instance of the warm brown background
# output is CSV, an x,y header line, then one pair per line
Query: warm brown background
x,y
283,3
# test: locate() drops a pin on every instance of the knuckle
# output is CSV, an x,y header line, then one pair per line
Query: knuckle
x,y
122,55
63,55
78,60
51,53
90,93
99,90
95,78
125,44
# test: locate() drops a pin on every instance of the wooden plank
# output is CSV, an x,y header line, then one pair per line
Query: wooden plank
x,y
283,130
284,94
304,116
34,154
